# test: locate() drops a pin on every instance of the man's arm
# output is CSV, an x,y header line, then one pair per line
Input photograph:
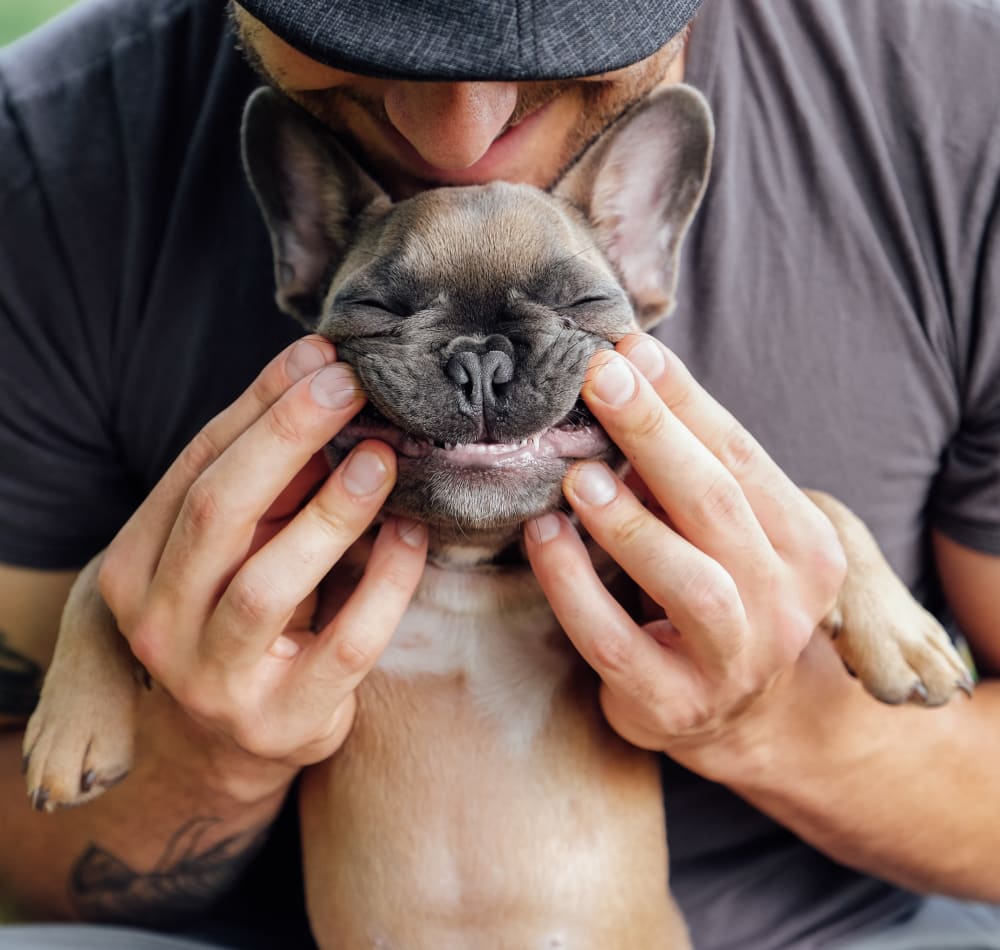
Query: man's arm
x,y
164,843
215,583
906,794
903,793
736,687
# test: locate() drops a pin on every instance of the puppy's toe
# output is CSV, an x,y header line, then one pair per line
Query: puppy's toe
x,y
68,761
937,663
905,658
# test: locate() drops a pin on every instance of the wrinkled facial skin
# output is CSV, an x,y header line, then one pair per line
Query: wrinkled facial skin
x,y
419,135
470,315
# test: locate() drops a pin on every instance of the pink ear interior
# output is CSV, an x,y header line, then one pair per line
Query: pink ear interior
x,y
647,188
305,247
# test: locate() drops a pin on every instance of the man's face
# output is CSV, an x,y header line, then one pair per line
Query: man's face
x,y
417,135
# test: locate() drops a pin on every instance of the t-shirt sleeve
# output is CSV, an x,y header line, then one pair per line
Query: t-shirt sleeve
x,y
966,505
64,489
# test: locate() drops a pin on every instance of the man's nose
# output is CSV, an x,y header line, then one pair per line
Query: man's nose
x,y
450,124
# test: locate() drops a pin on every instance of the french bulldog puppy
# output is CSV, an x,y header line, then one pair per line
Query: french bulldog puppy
x,y
481,800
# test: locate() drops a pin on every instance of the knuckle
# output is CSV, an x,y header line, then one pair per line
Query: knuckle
x,y
111,580
265,389
793,629
202,507
397,578
711,595
650,424
332,519
353,658
632,529
738,450
283,424
200,452
148,641
254,599
722,501
828,560
612,651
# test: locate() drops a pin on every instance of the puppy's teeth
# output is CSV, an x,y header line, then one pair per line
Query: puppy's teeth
x,y
536,442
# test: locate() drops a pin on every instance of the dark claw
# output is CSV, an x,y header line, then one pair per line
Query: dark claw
x,y
918,693
39,799
87,780
25,762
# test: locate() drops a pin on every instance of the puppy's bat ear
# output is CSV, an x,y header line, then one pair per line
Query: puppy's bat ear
x,y
639,186
310,191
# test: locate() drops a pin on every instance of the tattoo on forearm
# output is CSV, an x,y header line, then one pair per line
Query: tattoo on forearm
x,y
186,879
20,681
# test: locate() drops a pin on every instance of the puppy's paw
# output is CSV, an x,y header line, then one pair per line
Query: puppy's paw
x,y
899,651
77,746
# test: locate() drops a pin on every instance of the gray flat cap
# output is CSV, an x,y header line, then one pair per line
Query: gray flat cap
x,y
476,39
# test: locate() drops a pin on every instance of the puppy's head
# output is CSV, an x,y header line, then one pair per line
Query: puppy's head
x,y
470,314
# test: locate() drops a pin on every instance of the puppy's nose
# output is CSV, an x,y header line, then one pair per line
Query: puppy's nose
x,y
478,376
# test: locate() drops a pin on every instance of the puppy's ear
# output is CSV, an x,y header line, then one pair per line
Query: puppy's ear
x,y
310,191
639,186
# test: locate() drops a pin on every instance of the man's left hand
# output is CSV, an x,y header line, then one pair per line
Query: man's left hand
x,y
740,562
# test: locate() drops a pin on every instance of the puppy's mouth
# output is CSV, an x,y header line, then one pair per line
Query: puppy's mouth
x,y
577,436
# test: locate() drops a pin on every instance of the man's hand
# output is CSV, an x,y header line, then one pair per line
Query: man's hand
x,y
731,551
213,581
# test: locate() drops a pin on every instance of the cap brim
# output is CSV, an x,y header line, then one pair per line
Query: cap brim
x,y
460,40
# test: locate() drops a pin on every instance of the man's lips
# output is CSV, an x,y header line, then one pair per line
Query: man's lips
x,y
488,167
556,442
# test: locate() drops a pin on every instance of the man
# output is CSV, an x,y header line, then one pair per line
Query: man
x,y
839,294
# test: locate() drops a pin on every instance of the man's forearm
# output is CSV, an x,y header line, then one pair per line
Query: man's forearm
x,y
153,850
903,793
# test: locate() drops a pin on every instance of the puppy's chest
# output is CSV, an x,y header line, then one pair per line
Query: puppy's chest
x,y
494,632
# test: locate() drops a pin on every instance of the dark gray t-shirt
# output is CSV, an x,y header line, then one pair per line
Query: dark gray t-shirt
x,y
839,293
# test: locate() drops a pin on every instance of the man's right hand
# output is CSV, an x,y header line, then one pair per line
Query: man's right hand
x,y
213,580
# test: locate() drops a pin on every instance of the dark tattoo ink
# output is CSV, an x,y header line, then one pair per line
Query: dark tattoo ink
x,y
20,681
186,879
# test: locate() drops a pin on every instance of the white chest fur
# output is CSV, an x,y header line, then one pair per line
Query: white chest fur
x,y
493,628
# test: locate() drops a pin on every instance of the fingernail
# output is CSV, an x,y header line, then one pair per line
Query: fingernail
x,y
615,382
595,485
647,357
412,533
304,359
365,472
335,387
545,528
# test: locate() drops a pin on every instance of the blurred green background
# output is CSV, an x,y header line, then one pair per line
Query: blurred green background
x,y
19,16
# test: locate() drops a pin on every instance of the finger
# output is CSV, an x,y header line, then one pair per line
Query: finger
x,y
703,500
696,592
133,555
350,645
211,537
262,598
782,509
627,659
291,500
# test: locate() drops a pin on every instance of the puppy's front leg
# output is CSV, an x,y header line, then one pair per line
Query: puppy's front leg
x,y
897,649
79,740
